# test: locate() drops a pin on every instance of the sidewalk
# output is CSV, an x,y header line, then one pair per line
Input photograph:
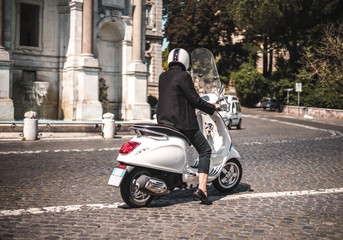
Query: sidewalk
x,y
13,131
48,130
331,121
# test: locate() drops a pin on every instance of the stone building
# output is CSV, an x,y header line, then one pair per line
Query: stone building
x,y
77,59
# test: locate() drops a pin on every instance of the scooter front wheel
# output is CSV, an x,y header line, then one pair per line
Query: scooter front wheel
x,y
129,191
229,177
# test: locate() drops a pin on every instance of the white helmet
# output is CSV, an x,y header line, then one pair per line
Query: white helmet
x,y
178,55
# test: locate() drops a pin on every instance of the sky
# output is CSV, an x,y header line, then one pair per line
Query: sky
x,y
165,42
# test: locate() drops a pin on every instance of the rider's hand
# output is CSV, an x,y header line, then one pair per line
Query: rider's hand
x,y
217,106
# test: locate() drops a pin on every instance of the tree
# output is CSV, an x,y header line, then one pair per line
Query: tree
x,y
292,25
326,60
323,70
283,77
250,84
180,24
279,24
206,23
260,20
301,21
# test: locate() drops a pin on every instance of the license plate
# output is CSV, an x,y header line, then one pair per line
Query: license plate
x,y
116,177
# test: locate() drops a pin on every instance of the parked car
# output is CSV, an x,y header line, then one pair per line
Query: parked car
x,y
269,103
231,111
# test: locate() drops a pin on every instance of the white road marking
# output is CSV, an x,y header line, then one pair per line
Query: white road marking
x,y
333,133
71,208
56,209
285,194
60,150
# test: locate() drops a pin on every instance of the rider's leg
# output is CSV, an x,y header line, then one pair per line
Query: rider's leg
x,y
203,182
204,150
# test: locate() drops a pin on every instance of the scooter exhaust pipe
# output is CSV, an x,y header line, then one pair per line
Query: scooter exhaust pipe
x,y
151,185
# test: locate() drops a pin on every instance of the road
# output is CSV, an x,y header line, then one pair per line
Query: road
x,y
292,188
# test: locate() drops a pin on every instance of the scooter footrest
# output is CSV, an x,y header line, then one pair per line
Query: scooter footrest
x,y
192,170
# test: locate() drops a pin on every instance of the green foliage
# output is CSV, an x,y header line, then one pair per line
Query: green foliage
x,y
250,84
180,26
225,80
165,54
295,26
192,24
316,94
325,60
282,78
283,24
324,98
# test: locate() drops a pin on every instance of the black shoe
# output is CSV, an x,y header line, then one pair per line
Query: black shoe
x,y
201,195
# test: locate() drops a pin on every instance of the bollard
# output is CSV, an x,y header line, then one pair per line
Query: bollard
x,y
305,111
30,130
108,130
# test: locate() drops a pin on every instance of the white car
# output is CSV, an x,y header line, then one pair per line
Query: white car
x,y
231,111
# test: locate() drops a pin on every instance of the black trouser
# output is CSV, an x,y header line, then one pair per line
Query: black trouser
x,y
203,148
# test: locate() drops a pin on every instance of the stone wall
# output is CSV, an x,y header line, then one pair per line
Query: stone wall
x,y
314,112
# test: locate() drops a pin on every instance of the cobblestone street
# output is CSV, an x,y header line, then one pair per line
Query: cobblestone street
x,y
292,188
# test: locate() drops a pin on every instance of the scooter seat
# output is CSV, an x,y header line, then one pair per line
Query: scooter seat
x,y
168,130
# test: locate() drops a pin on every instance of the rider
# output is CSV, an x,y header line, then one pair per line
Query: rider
x,y
176,107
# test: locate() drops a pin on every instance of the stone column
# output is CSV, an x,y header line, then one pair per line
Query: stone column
x,y
137,31
73,45
88,106
80,99
87,28
1,24
136,106
6,104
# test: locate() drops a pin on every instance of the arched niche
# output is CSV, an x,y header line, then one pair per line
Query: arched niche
x,y
110,56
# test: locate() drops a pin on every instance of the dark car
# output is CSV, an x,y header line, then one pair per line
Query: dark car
x,y
269,103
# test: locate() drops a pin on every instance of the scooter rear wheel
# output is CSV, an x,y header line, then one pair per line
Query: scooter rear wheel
x,y
129,192
229,177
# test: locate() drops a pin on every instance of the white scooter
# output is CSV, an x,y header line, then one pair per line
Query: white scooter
x,y
158,159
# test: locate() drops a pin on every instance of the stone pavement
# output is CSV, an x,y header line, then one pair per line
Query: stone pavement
x,y
57,189
303,217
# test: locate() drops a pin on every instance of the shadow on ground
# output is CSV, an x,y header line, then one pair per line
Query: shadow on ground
x,y
186,196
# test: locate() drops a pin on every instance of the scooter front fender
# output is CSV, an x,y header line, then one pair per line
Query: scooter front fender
x,y
234,153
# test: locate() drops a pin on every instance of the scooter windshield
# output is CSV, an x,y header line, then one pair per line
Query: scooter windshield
x,y
204,72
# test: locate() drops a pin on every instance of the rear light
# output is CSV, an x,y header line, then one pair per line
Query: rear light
x,y
122,166
128,147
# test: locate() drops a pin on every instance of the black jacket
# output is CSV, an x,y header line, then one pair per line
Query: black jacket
x,y
178,100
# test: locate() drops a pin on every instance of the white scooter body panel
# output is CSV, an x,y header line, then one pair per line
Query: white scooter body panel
x,y
158,153
215,132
